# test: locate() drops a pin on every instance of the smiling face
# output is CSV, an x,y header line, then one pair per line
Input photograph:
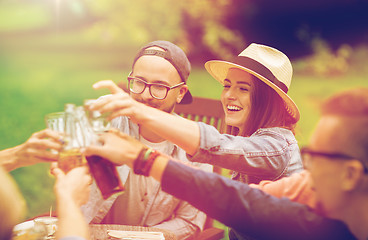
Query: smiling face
x,y
153,69
236,97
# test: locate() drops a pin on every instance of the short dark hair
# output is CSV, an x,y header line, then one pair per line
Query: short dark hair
x,y
352,107
268,110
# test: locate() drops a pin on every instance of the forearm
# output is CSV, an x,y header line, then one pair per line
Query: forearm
x,y
181,131
248,211
9,159
159,167
71,220
295,187
35,150
263,156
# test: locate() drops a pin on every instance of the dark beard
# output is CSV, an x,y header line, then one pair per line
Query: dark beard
x,y
168,110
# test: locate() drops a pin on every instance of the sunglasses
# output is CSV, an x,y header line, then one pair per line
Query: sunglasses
x,y
307,153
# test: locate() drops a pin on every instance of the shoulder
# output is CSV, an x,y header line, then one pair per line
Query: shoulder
x,y
275,132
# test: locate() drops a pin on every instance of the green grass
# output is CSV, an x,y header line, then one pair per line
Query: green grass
x,y
309,91
39,75
22,16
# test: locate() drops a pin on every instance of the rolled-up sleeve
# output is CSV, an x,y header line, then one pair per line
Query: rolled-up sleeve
x,y
267,154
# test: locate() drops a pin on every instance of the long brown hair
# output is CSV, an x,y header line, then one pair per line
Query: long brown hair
x,y
268,110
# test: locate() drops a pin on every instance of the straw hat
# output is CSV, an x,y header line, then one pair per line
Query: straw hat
x,y
266,63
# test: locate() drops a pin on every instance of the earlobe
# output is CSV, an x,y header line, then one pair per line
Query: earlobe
x,y
352,175
183,91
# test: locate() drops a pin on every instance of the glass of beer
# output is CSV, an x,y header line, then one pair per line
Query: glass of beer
x,y
63,122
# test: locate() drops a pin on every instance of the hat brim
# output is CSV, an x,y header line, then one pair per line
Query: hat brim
x,y
219,70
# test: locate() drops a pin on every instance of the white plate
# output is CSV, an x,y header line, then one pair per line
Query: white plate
x,y
131,235
24,226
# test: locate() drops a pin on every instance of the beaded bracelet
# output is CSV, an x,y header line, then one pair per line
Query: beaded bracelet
x,y
143,164
151,158
139,162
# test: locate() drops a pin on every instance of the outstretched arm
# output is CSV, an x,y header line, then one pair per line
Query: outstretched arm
x,y
296,187
247,210
35,150
183,132
120,149
71,190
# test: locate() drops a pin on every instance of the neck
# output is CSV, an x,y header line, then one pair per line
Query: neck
x,y
149,135
356,217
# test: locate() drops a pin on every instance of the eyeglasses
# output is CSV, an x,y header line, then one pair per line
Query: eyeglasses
x,y
307,153
157,90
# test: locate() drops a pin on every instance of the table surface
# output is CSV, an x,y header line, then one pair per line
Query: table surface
x,y
99,231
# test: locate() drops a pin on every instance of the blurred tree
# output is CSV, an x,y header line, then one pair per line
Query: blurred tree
x,y
198,27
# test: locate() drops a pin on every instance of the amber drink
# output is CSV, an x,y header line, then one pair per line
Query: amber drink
x,y
69,159
106,176
103,171
70,155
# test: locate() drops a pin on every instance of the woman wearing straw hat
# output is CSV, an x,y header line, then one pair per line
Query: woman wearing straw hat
x,y
257,109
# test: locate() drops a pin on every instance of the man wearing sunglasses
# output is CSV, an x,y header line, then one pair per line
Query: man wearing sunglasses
x,y
158,79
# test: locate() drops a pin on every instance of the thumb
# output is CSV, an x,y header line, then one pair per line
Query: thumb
x,y
58,173
109,85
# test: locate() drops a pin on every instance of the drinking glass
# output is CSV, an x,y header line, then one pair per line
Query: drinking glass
x,y
55,121
50,223
97,120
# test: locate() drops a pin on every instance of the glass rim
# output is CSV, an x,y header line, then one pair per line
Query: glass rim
x,y
55,114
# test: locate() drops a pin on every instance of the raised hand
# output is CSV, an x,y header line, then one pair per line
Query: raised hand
x,y
119,103
36,149
117,147
75,185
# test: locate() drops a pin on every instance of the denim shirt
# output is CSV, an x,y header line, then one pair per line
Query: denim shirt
x,y
268,154
162,209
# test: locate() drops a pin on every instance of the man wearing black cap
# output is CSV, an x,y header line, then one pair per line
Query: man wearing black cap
x,y
158,79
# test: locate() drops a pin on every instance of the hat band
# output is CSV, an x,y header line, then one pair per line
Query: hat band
x,y
259,69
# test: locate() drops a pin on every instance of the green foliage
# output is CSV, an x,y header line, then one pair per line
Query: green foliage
x,y
22,16
327,62
191,24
